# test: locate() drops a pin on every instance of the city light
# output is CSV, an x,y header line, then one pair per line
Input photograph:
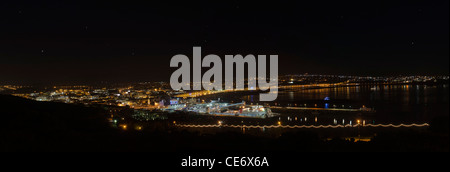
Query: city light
x,y
191,79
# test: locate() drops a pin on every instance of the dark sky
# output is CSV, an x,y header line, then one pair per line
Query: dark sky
x,y
59,42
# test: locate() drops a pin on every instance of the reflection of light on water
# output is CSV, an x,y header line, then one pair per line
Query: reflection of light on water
x,y
291,95
385,98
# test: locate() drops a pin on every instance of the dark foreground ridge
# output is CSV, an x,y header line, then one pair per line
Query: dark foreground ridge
x,y
47,126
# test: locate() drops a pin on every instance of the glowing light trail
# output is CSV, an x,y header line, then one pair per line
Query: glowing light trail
x,y
303,126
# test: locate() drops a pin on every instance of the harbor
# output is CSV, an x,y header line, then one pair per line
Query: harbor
x,y
217,108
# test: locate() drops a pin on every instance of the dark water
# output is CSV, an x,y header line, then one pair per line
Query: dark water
x,y
393,103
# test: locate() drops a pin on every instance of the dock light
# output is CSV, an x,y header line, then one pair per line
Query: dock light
x,y
279,122
358,121
220,122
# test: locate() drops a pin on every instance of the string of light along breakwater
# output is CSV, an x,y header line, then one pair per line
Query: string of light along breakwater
x,y
301,126
304,86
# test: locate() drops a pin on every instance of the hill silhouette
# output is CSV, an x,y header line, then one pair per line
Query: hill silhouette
x,y
47,126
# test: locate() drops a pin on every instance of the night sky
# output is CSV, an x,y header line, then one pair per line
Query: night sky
x,y
87,42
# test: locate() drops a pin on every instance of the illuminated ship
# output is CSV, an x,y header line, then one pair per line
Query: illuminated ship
x,y
225,109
